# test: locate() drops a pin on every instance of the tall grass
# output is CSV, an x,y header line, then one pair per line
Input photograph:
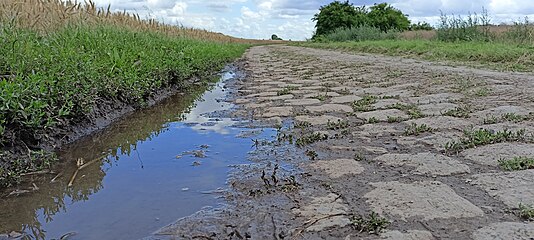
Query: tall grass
x,y
361,33
520,33
471,28
45,16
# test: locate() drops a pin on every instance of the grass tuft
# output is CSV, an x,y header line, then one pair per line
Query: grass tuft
x,y
374,224
517,163
479,137
364,104
414,129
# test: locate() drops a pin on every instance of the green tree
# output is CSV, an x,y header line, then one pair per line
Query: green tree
x,y
386,17
338,15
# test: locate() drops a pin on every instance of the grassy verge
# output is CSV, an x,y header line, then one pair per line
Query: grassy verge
x,y
66,63
501,56
49,81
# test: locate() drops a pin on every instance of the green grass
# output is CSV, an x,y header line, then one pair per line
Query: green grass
x,y
526,212
517,163
459,112
310,138
50,81
364,104
337,125
495,55
374,224
479,137
415,130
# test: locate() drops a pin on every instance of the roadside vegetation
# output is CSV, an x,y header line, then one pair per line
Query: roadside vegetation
x,y
383,29
64,64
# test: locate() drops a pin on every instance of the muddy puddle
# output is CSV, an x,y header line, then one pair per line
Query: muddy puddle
x,y
140,174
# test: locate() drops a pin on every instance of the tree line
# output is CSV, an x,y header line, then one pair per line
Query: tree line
x,y
382,16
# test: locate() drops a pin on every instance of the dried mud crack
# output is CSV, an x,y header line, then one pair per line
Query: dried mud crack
x,y
373,147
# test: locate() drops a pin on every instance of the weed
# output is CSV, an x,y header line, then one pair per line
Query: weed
x,y
392,119
344,91
372,120
364,104
512,117
415,129
302,125
490,120
359,157
526,212
339,124
390,97
374,224
459,112
474,138
412,110
286,90
290,184
312,154
311,138
394,74
482,91
321,97
517,163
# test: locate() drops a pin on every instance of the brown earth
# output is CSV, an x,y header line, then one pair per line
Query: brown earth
x,y
352,162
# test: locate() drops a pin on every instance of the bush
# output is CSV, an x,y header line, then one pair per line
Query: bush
x,y
362,33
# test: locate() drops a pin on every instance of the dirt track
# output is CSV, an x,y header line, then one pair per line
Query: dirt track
x,y
359,156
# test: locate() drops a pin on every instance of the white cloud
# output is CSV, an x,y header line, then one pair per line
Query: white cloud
x,y
178,9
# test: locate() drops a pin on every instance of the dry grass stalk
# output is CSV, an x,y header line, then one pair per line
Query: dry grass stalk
x,y
49,15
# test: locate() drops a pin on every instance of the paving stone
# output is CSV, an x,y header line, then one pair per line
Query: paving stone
x,y
278,112
512,188
339,167
425,200
435,98
442,122
319,93
326,108
505,231
382,115
325,206
499,111
345,99
376,130
316,120
302,102
385,103
436,109
426,163
409,235
437,140
491,154
276,98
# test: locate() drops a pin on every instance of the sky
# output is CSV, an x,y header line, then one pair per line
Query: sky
x,y
291,19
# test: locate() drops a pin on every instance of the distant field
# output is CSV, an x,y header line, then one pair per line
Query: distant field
x,y
501,56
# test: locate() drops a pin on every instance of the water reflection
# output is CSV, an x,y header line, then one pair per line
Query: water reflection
x,y
140,184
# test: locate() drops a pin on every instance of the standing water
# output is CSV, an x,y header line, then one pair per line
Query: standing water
x,y
140,174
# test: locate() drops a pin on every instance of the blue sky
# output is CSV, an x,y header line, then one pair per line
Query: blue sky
x,y
291,19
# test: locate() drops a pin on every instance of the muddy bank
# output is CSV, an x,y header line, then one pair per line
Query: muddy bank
x,y
373,147
34,153
151,167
